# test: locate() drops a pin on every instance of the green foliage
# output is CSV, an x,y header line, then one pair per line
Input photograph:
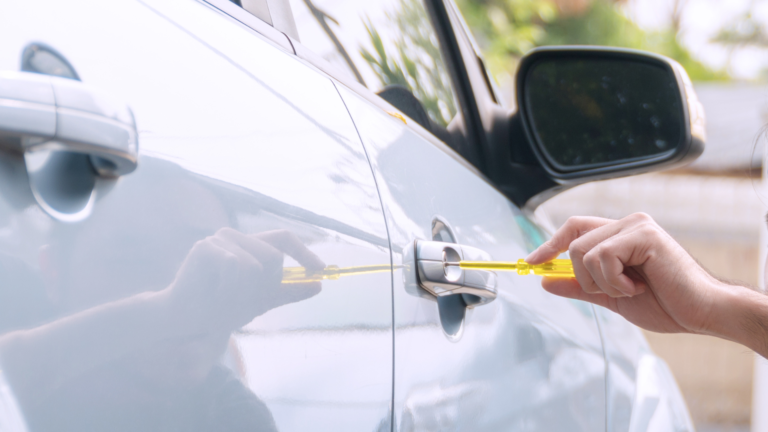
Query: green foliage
x,y
507,29
416,62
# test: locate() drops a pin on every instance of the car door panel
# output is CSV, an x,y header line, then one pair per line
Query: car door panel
x,y
525,361
233,134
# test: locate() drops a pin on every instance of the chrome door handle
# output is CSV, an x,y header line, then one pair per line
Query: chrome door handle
x,y
41,112
443,280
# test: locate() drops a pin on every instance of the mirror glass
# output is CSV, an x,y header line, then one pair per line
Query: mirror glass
x,y
591,112
42,59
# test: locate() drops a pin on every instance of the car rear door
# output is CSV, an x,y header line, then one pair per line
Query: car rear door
x,y
525,360
241,150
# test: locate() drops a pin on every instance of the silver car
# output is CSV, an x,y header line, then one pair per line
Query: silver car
x,y
237,215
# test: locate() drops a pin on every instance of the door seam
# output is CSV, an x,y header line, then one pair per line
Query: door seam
x,y
605,361
391,257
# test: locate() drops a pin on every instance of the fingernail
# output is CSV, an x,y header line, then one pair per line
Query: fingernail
x,y
528,258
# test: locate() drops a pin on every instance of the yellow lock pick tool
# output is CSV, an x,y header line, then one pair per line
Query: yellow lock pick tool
x,y
554,268
294,275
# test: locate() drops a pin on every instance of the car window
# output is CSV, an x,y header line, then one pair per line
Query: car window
x,y
389,46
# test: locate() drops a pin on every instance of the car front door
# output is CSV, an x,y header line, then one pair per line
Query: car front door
x,y
525,360
152,299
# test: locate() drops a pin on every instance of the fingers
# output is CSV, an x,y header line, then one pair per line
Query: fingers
x,y
268,248
267,255
299,291
612,253
588,254
209,254
570,288
244,267
229,278
615,255
595,277
573,229
289,243
602,250
271,245
579,235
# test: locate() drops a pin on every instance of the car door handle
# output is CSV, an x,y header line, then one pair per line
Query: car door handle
x,y
441,279
41,112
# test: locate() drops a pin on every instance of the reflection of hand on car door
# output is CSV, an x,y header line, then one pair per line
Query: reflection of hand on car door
x,y
225,281
229,278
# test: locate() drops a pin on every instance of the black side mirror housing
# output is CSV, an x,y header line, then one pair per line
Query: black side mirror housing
x,y
591,113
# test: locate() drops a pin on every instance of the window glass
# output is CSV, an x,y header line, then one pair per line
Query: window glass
x,y
389,46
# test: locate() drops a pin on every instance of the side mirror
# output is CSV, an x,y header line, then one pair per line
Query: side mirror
x,y
594,112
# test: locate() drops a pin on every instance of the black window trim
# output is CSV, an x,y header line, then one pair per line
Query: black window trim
x,y
449,45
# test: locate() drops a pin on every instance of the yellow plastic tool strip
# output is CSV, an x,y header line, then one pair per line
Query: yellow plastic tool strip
x,y
300,274
557,267
554,268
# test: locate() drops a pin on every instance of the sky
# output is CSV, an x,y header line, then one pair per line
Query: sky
x,y
701,21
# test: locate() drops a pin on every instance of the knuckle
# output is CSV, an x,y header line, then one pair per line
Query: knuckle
x,y
572,220
253,267
575,221
224,231
271,258
641,217
604,252
650,230
578,249
591,259
283,233
203,245
229,258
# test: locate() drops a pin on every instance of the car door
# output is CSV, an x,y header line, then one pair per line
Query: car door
x,y
525,360
152,299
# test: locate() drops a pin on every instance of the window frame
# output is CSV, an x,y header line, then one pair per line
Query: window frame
x,y
450,44
470,155
274,35
438,16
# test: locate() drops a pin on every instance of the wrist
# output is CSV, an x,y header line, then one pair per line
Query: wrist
x,y
740,314
183,315
176,318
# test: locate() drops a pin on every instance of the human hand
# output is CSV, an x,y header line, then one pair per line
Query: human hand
x,y
230,278
634,268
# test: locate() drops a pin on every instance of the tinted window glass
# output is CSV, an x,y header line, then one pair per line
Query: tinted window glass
x,y
387,45
588,112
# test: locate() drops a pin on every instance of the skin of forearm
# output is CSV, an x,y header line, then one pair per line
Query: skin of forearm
x,y
740,315
38,360
754,321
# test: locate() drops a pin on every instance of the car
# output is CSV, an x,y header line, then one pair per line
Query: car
x,y
238,215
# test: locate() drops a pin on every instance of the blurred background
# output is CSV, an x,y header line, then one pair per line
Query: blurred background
x,y
714,207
